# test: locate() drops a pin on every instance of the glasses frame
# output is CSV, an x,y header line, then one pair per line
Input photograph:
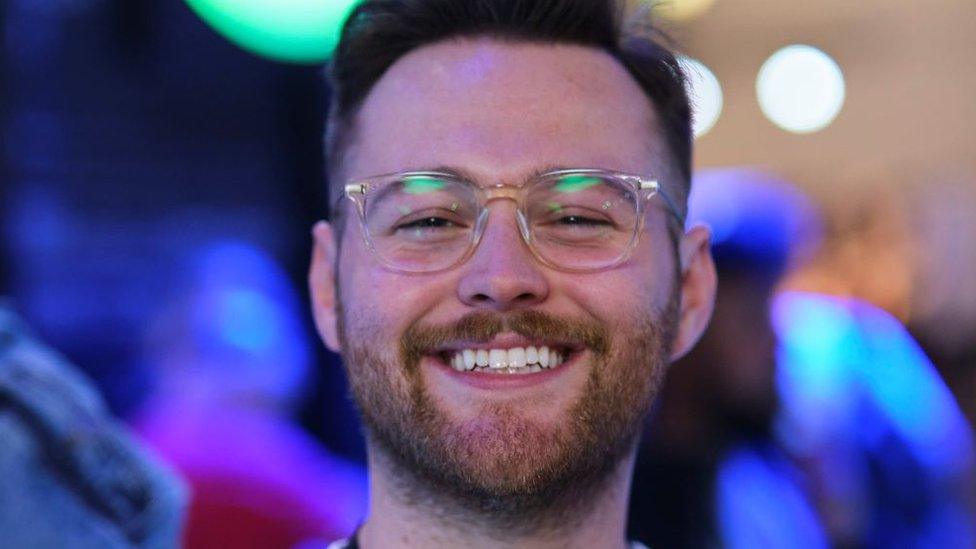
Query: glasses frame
x,y
644,189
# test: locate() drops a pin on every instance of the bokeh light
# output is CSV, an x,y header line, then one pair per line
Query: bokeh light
x,y
293,31
705,93
800,89
681,10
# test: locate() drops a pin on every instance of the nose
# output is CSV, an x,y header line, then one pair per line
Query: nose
x,y
502,274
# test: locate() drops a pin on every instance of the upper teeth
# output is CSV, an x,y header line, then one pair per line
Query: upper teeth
x,y
525,359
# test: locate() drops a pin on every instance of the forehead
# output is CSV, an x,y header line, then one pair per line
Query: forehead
x,y
503,109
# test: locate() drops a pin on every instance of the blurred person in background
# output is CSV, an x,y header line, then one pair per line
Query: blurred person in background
x,y
718,405
71,475
800,420
229,365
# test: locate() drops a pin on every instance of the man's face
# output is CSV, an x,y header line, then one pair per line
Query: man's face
x,y
501,111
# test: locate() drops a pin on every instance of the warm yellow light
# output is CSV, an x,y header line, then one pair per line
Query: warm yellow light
x,y
680,10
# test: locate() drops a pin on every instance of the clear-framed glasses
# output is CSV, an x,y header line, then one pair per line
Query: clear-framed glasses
x,y
573,220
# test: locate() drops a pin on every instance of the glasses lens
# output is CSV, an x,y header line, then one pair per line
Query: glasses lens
x,y
582,221
422,222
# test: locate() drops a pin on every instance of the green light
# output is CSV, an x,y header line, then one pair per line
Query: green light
x,y
576,183
422,185
294,31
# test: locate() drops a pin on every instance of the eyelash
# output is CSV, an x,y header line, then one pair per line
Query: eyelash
x,y
423,223
581,220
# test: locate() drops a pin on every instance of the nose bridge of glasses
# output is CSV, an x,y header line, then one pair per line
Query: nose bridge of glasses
x,y
500,191
514,193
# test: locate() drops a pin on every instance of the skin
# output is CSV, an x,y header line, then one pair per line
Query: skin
x,y
501,111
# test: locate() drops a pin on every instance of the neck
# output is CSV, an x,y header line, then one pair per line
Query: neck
x,y
398,518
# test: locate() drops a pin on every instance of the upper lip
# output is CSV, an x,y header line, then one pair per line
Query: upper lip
x,y
507,340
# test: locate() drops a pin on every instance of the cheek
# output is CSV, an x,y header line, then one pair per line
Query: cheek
x,y
640,287
379,304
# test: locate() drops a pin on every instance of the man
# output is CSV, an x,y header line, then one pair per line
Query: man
x,y
506,272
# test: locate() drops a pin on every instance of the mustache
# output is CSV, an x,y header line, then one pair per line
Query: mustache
x,y
481,327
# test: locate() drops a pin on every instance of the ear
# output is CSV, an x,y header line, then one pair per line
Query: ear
x,y
698,282
321,285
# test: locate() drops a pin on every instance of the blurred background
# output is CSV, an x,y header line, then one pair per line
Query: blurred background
x,y
161,169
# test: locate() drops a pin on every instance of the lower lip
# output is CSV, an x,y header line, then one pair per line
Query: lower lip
x,y
494,382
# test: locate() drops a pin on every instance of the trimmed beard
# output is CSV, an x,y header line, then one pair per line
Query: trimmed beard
x,y
502,472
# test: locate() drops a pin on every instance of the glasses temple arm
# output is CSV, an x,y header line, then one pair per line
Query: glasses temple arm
x,y
655,187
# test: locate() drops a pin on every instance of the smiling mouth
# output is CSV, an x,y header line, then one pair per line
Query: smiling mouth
x,y
513,360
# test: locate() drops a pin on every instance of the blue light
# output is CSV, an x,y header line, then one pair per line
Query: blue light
x,y
905,384
755,218
759,504
837,355
248,320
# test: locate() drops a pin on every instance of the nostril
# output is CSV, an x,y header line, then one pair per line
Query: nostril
x,y
480,298
500,300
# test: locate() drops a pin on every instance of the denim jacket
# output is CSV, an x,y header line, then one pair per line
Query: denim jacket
x,y
70,474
